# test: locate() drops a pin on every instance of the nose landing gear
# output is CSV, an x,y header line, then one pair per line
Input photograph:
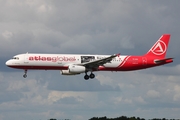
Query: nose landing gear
x,y
25,74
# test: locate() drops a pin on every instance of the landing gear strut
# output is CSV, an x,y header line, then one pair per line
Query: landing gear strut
x,y
25,74
86,77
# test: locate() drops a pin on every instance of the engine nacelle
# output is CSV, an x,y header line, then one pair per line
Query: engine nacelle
x,y
76,69
73,70
66,72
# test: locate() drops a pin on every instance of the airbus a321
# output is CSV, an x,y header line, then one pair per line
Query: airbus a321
x,y
73,64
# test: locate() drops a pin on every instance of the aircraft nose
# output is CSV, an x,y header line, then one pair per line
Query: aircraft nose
x,y
8,62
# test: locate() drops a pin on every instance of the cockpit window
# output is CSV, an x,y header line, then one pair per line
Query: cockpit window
x,y
15,58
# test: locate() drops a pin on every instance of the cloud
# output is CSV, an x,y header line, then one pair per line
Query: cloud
x,y
7,34
69,83
153,94
177,95
140,100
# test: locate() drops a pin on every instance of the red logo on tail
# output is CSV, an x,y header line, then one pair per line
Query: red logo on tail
x,y
159,48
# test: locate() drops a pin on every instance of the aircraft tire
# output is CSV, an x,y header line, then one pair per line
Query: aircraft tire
x,y
24,75
86,77
92,76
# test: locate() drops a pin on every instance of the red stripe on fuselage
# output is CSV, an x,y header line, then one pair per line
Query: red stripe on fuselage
x,y
126,65
124,61
41,67
121,69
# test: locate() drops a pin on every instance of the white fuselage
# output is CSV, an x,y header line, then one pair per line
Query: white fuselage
x,y
61,61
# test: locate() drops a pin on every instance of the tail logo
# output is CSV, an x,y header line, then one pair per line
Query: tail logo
x,y
159,48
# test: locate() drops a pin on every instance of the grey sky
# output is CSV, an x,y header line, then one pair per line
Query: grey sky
x,y
88,27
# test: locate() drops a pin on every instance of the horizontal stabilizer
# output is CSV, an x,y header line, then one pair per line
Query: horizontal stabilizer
x,y
163,60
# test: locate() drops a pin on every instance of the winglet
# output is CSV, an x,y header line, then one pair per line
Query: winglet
x,y
118,54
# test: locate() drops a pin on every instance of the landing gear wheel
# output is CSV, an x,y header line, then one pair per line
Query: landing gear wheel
x,y
24,75
91,75
86,77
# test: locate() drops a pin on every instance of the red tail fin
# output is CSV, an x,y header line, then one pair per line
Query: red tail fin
x,y
159,49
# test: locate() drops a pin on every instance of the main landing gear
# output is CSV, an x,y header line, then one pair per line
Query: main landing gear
x,y
86,77
25,74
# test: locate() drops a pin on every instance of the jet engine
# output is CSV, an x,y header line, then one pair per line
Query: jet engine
x,y
76,69
73,70
66,72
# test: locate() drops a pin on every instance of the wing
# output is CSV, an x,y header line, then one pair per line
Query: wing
x,y
96,63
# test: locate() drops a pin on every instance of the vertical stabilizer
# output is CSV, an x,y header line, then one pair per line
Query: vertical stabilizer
x,y
159,49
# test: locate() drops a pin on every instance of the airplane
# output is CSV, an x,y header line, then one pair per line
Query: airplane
x,y
73,64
